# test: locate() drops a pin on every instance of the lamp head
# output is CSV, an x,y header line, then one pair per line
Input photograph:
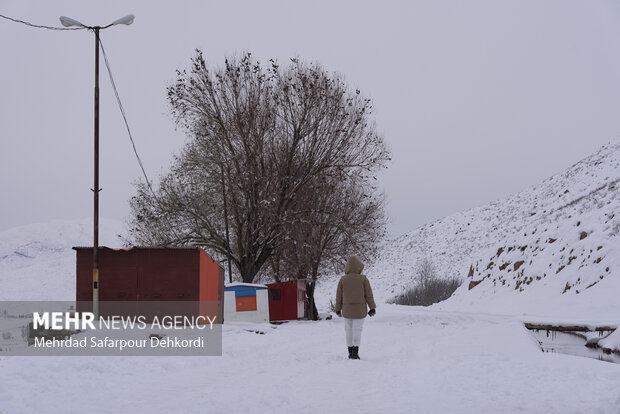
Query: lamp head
x,y
127,20
68,22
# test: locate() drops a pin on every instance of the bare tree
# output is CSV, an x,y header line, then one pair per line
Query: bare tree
x,y
335,219
262,135
425,271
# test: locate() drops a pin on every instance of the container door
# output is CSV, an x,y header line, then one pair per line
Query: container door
x,y
301,300
275,304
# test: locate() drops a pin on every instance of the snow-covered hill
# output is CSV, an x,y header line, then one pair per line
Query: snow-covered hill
x,y
523,253
37,262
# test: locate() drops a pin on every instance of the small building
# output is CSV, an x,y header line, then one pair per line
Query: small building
x,y
287,300
246,302
141,274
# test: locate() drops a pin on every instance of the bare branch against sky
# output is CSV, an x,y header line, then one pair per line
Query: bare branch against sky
x,y
476,99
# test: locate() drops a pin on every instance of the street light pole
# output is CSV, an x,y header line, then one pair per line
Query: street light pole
x,y
96,188
67,22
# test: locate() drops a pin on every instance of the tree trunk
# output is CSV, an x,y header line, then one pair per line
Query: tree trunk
x,y
312,313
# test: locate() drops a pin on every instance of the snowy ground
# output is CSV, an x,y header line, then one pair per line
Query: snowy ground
x,y
413,360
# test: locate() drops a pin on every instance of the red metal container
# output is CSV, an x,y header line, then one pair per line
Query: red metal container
x,y
152,274
287,300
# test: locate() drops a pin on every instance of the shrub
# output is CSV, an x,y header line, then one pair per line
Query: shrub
x,y
426,294
429,289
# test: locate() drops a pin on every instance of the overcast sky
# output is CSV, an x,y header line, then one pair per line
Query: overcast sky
x,y
477,99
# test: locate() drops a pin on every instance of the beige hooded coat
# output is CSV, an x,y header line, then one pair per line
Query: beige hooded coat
x,y
354,291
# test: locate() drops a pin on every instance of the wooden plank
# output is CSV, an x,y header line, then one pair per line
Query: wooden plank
x,y
572,328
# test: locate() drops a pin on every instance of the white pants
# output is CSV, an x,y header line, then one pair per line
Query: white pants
x,y
353,331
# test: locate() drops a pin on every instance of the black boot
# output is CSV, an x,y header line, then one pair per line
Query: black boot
x,y
355,352
351,352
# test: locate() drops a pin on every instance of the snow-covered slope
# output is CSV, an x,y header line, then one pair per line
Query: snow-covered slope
x,y
568,257
557,238
37,262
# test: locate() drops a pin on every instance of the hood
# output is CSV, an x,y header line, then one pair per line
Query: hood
x,y
354,265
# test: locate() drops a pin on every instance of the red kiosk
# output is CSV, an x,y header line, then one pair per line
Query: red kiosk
x,y
287,300
142,274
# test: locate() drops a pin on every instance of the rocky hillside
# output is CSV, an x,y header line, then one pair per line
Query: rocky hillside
x,y
576,240
560,234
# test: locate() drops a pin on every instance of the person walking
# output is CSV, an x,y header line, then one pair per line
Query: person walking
x,y
352,297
